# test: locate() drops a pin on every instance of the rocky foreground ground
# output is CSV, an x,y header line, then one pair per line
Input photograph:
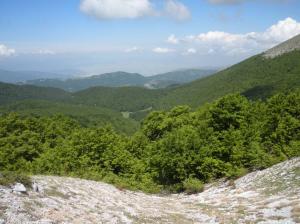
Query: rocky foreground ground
x,y
268,196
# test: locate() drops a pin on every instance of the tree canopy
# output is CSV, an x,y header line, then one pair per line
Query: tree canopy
x,y
175,150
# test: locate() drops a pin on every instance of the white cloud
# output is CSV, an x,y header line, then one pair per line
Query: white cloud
x,y
231,2
161,50
133,49
177,10
283,30
116,9
133,9
219,41
45,52
216,36
225,1
190,51
5,51
172,39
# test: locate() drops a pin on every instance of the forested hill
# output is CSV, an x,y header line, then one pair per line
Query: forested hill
x,y
121,99
46,101
121,79
114,79
256,77
10,93
175,150
86,116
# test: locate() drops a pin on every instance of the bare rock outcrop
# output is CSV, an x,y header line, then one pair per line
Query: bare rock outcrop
x,y
267,196
285,47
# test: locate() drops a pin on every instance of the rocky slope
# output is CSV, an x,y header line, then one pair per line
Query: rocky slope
x,y
285,47
268,196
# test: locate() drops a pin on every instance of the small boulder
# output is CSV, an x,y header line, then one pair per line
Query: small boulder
x,y
19,188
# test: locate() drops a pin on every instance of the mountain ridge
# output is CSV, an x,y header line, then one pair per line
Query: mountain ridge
x,y
22,76
121,79
256,77
285,47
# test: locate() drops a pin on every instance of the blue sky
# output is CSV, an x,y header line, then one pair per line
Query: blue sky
x,y
146,36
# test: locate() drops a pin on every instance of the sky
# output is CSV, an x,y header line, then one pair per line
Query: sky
x,y
144,36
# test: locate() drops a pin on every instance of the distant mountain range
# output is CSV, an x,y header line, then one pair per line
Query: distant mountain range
x,y
23,76
257,78
121,79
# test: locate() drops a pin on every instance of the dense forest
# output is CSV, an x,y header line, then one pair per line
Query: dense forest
x,y
175,150
86,116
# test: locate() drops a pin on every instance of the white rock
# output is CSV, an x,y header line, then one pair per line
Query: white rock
x,y
18,187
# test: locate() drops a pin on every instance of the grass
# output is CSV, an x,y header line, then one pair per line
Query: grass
x,y
54,192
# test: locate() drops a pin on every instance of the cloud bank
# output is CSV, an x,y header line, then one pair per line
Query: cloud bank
x,y
133,49
133,9
44,52
5,51
161,50
216,41
226,1
232,2
116,9
177,10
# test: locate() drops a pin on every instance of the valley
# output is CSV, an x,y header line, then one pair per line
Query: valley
x,y
145,111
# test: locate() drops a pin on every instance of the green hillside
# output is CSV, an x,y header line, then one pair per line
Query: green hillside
x,y
10,93
120,99
47,101
256,77
114,79
88,116
174,150
184,75
177,77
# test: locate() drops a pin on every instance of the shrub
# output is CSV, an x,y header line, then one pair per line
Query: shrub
x,y
8,178
237,173
192,186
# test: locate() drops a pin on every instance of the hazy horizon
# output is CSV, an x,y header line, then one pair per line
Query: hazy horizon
x,y
139,36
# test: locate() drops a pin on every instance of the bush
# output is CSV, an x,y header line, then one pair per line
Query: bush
x,y
237,173
8,178
193,186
